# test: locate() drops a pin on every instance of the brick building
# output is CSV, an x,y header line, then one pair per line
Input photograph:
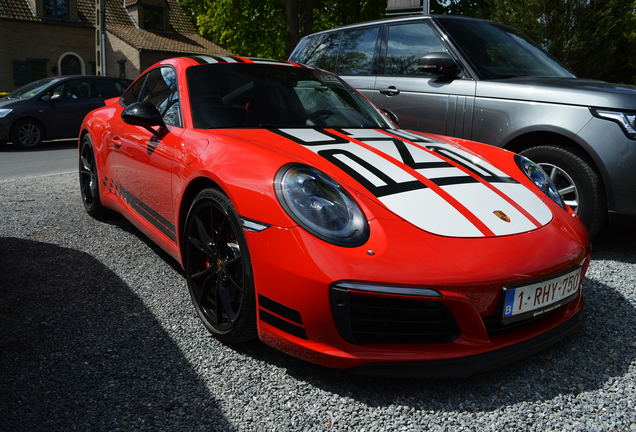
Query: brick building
x,y
41,38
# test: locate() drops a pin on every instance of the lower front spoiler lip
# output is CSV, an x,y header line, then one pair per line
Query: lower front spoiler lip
x,y
466,366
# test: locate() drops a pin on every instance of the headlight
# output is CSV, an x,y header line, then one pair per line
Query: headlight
x,y
539,178
625,119
321,206
4,112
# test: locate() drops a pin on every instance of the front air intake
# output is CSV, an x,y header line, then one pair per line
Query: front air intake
x,y
368,318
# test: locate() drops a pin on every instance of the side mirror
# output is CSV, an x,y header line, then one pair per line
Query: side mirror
x,y
438,63
391,115
143,114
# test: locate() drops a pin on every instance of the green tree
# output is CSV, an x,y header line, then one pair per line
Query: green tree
x,y
588,37
272,28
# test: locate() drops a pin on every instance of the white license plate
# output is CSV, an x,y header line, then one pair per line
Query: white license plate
x,y
540,297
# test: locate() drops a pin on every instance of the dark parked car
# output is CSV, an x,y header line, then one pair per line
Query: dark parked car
x,y
53,107
487,82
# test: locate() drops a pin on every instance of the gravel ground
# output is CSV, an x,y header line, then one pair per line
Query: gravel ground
x,y
98,333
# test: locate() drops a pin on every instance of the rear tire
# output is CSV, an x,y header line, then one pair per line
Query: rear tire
x,y
579,185
89,179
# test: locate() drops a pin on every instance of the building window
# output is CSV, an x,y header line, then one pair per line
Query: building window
x,y
57,9
27,71
153,18
122,68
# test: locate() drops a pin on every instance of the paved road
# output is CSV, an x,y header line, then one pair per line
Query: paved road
x,y
53,157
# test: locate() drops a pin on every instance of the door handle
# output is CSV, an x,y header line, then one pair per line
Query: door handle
x,y
391,91
116,141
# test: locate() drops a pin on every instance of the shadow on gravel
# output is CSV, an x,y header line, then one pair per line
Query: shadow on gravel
x,y
594,356
79,351
615,245
114,219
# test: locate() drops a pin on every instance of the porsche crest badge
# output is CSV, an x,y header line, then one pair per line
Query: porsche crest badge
x,y
501,215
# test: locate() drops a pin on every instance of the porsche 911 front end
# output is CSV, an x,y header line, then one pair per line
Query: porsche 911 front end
x,y
431,290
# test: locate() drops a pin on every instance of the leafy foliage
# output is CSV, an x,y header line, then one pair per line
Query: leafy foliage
x,y
257,28
587,37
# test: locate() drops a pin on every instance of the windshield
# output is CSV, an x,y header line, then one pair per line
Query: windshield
x,y
497,51
235,95
30,89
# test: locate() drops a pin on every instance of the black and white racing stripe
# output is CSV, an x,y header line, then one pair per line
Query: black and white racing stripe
x,y
142,209
232,59
435,186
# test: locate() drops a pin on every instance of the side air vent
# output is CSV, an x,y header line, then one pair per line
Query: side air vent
x,y
368,318
280,316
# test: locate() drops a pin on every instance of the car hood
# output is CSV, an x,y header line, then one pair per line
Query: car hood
x,y
568,91
439,187
8,103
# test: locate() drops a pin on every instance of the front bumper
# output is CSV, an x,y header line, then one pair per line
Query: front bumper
x,y
295,275
466,366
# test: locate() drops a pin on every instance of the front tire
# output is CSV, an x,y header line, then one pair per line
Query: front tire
x,y
218,268
89,179
578,184
27,134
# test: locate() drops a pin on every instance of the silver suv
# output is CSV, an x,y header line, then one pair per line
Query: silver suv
x,y
487,82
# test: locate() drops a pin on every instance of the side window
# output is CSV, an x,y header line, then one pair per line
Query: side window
x,y
108,88
132,95
320,52
407,43
79,89
356,51
158,87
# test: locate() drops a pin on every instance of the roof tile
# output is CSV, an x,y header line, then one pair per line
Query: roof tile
x,y
182,37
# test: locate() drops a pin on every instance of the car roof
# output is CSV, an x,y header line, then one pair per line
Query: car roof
x,y
198,60
402,18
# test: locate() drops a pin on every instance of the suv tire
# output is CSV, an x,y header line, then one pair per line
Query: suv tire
x,y
576,181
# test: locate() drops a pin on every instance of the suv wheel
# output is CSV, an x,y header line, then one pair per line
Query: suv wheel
x,y
579,185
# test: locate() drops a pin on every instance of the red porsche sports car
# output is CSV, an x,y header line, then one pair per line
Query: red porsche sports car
x,y
303,216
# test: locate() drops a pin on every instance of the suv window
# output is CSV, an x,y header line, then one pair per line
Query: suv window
x,y
406,44
159,87
357,48
320,51
498,51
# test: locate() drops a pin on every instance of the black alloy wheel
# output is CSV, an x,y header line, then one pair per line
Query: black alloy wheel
x,y
218,268
27,134
578,184
89,179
